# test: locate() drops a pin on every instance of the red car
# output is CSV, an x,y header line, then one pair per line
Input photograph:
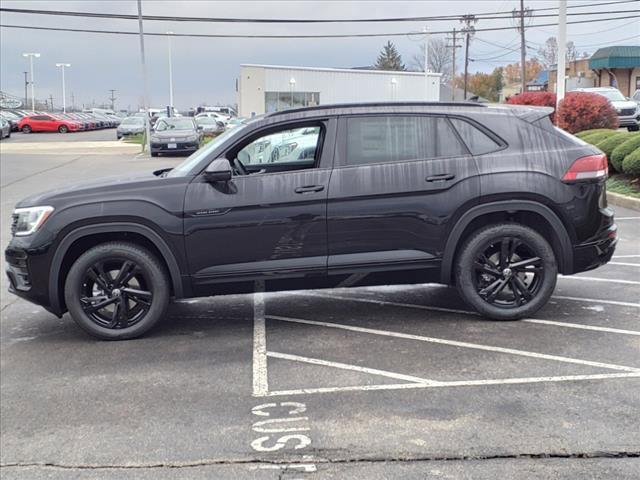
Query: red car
x,y
47,123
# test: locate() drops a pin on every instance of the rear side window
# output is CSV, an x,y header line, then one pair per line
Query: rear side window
x,y
383,139
477,141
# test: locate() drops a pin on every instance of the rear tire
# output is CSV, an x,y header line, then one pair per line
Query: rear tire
x,y
63,129
506,271
26,129
117,291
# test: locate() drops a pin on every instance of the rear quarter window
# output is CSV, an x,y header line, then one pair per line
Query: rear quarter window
x,y
476,140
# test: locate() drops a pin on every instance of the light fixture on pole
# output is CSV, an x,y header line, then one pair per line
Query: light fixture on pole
x,y
33,95
292,84
394,84
64,93
169,34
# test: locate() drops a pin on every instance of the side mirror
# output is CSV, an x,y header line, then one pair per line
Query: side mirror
x,y
218,171
200,128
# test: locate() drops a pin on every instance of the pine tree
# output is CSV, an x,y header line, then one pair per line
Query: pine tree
x,y
389,58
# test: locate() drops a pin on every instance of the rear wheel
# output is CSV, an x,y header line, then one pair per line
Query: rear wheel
x,y
117,291
506,271
63,129
26,129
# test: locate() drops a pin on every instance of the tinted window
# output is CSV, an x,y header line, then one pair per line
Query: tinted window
x,y
396,138
477,141
286,146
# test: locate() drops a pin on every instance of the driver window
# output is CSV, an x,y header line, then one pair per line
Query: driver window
x,y
294,147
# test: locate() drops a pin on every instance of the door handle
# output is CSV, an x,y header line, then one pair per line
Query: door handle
x,y
309,189
443,177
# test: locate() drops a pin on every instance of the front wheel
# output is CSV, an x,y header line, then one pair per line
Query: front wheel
x,y
117,291
63,129
633,128
26,129
506,271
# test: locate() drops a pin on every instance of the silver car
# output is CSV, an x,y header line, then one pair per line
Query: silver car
x,y
130,126
209,125
5,128
628,110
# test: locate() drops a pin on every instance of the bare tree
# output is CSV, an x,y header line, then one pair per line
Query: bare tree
x,y
439,59
549,52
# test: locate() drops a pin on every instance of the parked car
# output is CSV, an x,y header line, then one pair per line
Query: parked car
x,y
12,118
130,126
47,123
628,110
636,97
492,199
5,128
234,122
175,135
215,115
209,125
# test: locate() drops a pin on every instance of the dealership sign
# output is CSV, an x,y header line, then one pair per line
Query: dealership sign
x,y
10,103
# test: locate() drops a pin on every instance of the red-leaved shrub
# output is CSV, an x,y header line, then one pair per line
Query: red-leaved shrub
x,y
537,99
580,111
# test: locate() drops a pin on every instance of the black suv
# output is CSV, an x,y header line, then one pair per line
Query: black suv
x,y
494,200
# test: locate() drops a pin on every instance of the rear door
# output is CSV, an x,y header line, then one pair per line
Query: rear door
x,y
397,182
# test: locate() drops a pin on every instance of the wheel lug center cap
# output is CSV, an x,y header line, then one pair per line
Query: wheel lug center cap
x,y
506,272
115,292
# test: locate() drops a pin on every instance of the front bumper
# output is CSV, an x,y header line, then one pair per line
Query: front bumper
x,y
164,147
629,121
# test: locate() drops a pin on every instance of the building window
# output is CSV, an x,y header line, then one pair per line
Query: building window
x,y
276,101
637,83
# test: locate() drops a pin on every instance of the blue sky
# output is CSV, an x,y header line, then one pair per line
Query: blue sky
x,y
205,69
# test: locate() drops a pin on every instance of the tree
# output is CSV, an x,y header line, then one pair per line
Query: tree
x,y
549,52
512,71
439,59
389,58
486,85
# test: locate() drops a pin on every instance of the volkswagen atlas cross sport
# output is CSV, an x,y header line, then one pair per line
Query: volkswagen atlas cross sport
x,y
492,199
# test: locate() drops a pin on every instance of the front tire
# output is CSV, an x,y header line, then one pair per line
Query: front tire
x,y
117,291
633,128
63,129
506,271
26,129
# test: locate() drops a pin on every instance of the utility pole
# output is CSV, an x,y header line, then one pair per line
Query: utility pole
x,y
521,14
113,100
144,78
169,34
64,93
33,95
73,102
562,50
468,30
26,84
453,47
51,101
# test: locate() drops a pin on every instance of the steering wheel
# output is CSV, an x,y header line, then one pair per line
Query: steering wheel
x,y
242,170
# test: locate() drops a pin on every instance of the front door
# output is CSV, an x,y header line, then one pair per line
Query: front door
x,y
269,221
397,182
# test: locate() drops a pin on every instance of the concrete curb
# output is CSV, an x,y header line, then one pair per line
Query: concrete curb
x,y
623,201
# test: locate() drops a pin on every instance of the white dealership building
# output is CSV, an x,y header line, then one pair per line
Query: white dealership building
x,y
270,88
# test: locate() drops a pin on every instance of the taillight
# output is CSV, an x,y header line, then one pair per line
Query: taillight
x,y
587,168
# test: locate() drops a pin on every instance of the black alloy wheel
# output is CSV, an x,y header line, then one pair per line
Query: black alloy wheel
x,y
117,291
506,271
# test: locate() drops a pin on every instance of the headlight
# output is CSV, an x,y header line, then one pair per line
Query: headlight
x,y
192,138
26,221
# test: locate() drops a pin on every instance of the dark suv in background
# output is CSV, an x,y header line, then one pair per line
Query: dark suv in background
x,y
494,200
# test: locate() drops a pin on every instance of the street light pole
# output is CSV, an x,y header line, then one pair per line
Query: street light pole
x,y
145,97
170,72
26,84
33,95
292,83
562,51
64,93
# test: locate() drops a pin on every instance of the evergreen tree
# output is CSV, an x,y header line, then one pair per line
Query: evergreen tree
x,y
389,58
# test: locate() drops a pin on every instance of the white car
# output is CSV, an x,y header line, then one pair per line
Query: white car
x,y
219,117
627,109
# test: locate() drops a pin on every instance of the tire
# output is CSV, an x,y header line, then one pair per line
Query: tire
x,y
130,308
26,129
633,128
478,280
63,129
154,154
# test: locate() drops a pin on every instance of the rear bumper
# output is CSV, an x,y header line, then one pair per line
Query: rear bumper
x,y
597,252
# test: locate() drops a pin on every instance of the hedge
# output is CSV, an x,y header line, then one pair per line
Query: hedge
x,y
631,163
609,144
579,111
621,151
595,138
585,133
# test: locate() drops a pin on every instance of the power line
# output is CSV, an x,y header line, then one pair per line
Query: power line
x,y
347,35
484,16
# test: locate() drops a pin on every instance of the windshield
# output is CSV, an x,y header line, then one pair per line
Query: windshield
x,y
185,167
174,124
205,121
612,95
133,121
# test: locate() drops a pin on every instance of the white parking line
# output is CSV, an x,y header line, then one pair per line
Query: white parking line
x,y
463,383
627,218
582,327
596,300
345,366
626,256
260,379
624,264
598,279
455,343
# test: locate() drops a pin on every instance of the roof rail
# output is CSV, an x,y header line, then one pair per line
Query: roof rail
x,y
376,104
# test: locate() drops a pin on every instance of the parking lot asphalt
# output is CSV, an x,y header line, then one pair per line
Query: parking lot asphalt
x,y
387,382
104,134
